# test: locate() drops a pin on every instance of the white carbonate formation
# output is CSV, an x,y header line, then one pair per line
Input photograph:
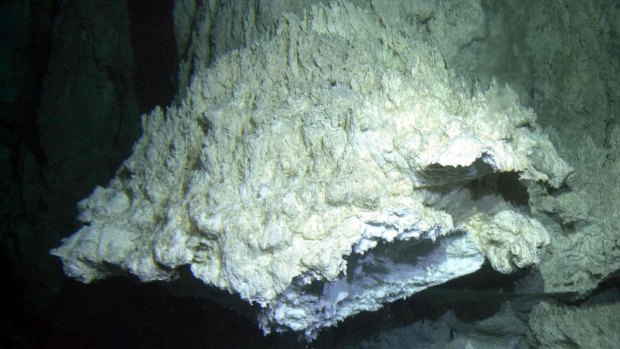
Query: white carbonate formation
x,y
328,169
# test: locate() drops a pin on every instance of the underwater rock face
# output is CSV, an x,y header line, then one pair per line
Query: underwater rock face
x,y
324,171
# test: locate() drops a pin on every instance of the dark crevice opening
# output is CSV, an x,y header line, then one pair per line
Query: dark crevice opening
x,y
462,296
507,184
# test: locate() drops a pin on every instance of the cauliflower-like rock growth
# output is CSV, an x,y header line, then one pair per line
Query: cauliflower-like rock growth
x,y
300,173
508,239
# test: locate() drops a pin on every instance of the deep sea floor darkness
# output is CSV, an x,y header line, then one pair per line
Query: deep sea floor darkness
x,y
122,313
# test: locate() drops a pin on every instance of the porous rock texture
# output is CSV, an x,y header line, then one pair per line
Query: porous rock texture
x,y
497,332
326,169
593,326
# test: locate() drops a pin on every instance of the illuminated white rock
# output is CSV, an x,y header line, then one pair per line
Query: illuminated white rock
x,y
312,173
387,273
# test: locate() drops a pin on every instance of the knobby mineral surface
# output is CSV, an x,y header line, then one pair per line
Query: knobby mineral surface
x,y
331,167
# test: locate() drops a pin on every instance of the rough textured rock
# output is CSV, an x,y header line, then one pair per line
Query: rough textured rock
x,y
508,239
300,163
562,60
579,110
501,331
557,326
206,30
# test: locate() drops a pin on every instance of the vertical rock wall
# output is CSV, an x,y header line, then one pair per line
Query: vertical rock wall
x,y
25,28
70,118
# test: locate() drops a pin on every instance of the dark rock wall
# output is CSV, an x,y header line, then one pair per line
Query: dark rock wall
x,y
25,32
155,52
71,96
206,29
26,47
